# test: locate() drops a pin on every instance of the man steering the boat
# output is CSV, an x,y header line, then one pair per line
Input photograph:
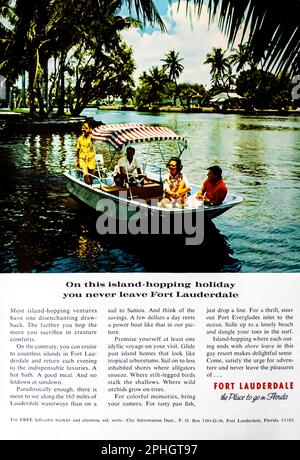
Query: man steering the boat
x,y
128,169
214,189
85,153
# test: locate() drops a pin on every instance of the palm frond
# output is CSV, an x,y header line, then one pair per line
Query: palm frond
x,y
146,10
274,29
9,14
122,23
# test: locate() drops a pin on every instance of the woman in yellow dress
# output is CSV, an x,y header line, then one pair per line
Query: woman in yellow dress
x,y
85,153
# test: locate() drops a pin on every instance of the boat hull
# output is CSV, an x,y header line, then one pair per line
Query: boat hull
x,y
123,208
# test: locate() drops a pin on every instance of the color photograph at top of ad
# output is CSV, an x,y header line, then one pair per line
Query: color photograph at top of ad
x,y
149,136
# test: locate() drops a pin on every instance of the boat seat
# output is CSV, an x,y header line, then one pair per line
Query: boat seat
x,y
145,192
115,189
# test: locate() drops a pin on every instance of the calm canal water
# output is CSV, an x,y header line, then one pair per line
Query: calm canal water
x,y
43,229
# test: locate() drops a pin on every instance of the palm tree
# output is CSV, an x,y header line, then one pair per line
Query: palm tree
x,y
87,25
220,68
101,59
6,38
274,29
241,57
42,29
26,47
154,84
175,68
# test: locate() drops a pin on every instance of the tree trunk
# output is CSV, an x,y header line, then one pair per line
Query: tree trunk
x,y
62,92
8,92
46,86
52,91
23,103
175,94
42,113
188,102
181,101
79,107
31,77
81,96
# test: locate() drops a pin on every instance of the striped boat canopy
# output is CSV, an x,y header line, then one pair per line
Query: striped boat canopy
x,y
124,134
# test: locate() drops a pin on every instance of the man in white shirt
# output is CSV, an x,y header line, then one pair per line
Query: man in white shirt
x,y
128,168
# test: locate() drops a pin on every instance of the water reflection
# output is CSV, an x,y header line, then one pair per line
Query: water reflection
x,y
251,168
158,253
88,252
172,255
250,127
95,253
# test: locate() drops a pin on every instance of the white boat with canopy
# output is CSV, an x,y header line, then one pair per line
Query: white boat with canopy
x,y
110,141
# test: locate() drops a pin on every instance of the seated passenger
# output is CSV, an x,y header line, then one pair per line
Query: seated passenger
x,y
128,169
213,190
176,186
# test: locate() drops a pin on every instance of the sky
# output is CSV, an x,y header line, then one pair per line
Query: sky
x,y
188,35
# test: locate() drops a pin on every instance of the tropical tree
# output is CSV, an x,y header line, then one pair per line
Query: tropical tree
x,y
174,68
101,61
282,99
44,29
94,75
273,29
221,74
28,46
189,92
241,56
6,38
152,89
94,25
263,90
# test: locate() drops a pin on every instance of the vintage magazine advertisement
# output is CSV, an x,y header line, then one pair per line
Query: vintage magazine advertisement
x,y
149,244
